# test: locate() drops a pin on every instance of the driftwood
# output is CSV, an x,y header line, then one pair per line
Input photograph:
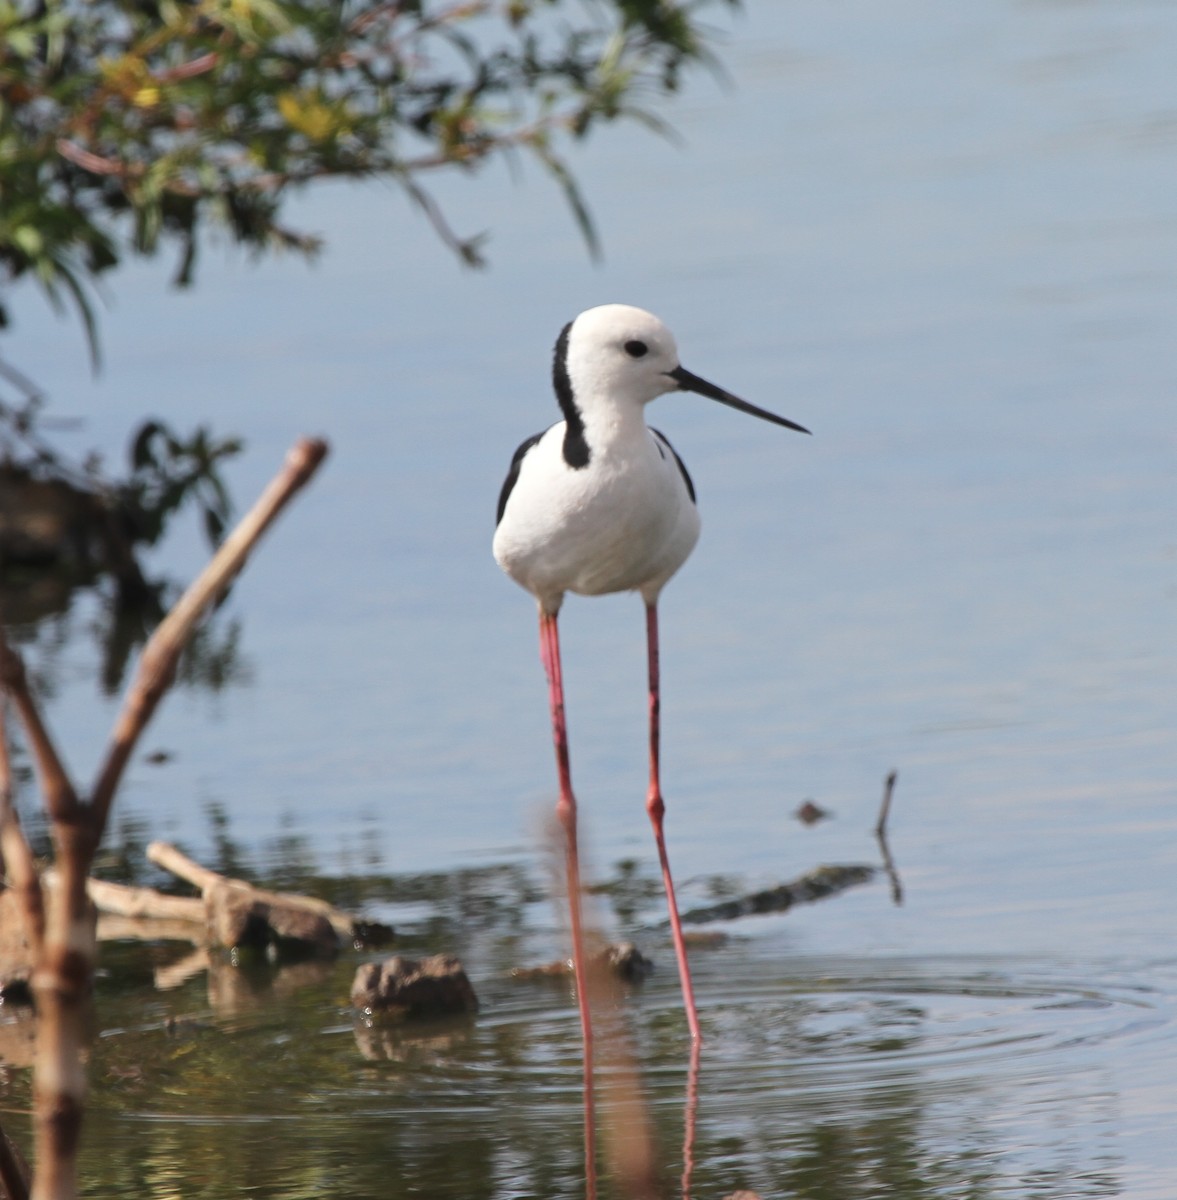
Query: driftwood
x,y
123,901
229,913
233,907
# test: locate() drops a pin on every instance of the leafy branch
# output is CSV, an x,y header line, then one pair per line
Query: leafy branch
x,y
128,125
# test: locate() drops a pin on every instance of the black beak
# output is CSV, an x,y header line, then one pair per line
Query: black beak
x,y
692,383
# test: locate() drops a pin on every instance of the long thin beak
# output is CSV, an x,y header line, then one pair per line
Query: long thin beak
x,y
692,383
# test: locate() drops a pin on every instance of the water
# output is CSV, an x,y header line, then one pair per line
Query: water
x,y
941,237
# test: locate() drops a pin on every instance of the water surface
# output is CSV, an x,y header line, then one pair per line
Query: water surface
x,y
941,237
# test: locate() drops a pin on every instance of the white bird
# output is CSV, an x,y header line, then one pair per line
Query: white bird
x,y
600,503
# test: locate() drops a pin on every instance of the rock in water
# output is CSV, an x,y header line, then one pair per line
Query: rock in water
x,y
407,987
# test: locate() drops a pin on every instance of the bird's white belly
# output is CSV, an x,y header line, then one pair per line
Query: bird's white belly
x,y
610,527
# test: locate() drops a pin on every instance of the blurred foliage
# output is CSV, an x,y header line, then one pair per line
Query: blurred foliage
x,y
66,525
126,125
167,471
74,516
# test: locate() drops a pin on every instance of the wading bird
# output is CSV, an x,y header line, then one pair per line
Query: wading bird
x,y
600,503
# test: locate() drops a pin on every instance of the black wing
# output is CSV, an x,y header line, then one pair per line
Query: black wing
x,y
513,474
681,465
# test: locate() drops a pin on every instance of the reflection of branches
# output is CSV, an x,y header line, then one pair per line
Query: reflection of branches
x,y
690,1118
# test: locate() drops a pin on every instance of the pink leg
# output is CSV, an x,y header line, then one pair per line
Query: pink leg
x,y
549,646
656,808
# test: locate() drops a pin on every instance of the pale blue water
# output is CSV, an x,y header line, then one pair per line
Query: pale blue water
x,y
944,237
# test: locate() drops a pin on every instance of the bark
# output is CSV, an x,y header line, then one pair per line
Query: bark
x,y
61,983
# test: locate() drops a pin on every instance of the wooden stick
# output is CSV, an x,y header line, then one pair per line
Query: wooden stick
x,y
157,664
885,808
63,968
124,901
61,801
21,876
165,855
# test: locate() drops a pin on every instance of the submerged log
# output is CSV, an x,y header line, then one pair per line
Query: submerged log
x,y
814,885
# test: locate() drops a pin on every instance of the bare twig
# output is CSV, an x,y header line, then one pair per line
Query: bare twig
x,y
61,801
158,663
63,967
885,807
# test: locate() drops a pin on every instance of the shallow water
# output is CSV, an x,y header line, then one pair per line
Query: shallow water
x,y
821,1075
942,238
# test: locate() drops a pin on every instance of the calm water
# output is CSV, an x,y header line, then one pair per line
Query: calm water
x,y
945,239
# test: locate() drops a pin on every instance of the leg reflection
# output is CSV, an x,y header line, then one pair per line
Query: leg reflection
x,y
690,1113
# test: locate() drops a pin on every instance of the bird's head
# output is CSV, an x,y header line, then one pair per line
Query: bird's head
x,y
616,355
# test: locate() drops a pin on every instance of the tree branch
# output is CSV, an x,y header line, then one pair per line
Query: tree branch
x,y
61,801
19,868
157,664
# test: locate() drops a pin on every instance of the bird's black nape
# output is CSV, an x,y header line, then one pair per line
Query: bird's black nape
x,y
576,448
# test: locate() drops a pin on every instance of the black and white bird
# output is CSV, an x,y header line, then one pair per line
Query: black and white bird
x,y
601,503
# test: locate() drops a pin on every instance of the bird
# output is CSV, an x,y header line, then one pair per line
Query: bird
x,y
598,503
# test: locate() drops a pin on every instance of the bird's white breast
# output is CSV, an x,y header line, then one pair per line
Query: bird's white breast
x,y
623,522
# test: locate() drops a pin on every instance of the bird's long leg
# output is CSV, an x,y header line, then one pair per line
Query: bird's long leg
x,y
549,644
549,649
656,808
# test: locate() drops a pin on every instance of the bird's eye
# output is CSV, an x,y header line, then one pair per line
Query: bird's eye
x,y
636,349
